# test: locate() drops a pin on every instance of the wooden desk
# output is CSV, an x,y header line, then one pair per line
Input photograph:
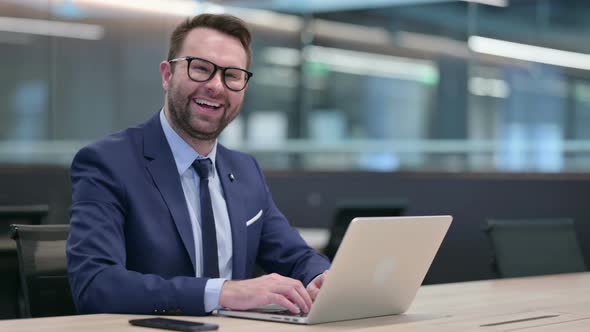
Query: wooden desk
x,y
563,300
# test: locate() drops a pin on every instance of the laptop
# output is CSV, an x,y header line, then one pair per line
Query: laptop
x,y
377,271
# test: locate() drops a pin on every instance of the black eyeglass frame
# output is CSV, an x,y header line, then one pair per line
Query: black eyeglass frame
x,y
216,67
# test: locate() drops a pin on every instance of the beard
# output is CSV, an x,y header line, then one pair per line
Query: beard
x,y
188,122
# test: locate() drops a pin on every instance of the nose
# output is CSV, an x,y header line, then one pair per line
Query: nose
x,y
215,84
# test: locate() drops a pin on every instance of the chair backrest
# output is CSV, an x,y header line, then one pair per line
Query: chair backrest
x,y
346,211
43,273
534,247
10,302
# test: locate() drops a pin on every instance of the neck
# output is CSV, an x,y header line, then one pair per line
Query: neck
x,y
203,147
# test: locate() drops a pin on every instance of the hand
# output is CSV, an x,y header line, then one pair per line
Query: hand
x,y
314,286
268,289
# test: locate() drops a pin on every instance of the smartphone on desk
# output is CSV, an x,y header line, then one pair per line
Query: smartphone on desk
x,y
173,324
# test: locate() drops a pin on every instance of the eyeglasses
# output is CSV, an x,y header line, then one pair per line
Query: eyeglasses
x,y
201,70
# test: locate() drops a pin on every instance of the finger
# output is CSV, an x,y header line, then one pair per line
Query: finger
x,y
319,282
313,292
304,295
283,301
295,290
314,287
292,293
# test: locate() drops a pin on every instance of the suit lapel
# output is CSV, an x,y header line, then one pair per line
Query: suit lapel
x,y
162,168
235,210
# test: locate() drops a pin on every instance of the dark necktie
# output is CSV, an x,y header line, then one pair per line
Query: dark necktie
x,y
209,235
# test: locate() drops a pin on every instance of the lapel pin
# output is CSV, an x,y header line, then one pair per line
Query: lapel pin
x,y
231,177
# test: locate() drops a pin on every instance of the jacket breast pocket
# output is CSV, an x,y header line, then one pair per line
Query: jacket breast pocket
x,y
254,219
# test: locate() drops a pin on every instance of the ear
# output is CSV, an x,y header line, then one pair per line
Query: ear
x,y
166,73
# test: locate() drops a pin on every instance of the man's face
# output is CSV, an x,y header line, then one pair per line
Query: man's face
x,y
202,110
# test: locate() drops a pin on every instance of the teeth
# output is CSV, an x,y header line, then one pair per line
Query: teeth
x,y
208,103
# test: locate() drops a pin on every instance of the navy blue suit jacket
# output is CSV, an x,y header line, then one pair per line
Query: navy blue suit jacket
x,y
131,247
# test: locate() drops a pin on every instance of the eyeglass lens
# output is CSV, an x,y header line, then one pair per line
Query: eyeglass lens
x,y
201,70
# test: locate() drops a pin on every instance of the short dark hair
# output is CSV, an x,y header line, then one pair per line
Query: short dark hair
x,y
224,23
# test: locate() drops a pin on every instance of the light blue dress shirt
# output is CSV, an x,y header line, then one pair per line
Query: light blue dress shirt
x,y
184,155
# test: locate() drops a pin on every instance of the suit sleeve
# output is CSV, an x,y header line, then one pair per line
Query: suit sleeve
x,y
282,249
96,255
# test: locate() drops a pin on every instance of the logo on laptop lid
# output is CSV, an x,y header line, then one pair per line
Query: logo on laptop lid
x,y
384,270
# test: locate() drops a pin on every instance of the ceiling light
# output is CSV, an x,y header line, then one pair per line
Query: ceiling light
x,y
172,7
531,53
497,3
362,63
432,44
269,19
51,28
489,87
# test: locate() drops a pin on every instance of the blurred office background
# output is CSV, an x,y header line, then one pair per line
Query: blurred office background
x,y
479,109
380,85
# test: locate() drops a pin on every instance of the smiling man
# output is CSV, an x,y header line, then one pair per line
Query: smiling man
x,y
165,219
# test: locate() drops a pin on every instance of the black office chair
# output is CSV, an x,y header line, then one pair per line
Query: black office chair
x,y
43,274
346,211
9,276
534,247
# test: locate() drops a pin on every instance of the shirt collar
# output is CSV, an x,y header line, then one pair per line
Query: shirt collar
x,y
183,153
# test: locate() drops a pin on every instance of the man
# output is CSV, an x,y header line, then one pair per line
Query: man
x,y
147,199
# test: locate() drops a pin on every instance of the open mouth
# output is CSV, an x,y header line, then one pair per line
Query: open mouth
x,y
207,104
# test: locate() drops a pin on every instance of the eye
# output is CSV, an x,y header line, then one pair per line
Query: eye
x,y
234,75
201,68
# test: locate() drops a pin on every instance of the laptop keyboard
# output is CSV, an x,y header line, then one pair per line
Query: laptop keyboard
x,y
278,311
